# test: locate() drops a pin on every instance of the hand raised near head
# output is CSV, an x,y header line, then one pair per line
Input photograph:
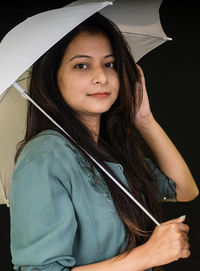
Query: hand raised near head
x,y
142,101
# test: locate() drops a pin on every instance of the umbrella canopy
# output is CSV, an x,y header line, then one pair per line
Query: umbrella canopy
x,y
23,45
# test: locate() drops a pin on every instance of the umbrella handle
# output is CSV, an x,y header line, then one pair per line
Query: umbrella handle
x,y
26,96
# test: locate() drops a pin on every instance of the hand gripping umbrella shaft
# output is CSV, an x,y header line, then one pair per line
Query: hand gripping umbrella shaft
x,y
26,96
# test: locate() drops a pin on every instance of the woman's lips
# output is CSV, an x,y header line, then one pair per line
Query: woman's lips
x,y
99,94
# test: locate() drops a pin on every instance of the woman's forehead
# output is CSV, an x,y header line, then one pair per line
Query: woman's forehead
x,y
86,43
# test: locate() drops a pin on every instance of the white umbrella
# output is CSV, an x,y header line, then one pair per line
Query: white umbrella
x,y
23,45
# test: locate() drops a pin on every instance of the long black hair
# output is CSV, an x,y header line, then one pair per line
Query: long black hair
x,y
118,141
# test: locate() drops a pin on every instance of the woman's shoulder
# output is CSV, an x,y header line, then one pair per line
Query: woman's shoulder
x,y
46,143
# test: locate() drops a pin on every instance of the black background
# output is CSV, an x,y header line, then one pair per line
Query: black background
x,y
172,76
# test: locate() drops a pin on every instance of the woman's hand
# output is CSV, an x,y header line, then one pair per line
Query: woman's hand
x,y
144,114
168,243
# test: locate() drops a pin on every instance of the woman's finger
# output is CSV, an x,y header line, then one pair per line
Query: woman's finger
x,y
185,253
185,237
183,227
186,245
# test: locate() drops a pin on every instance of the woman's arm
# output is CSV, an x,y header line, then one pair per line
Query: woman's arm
x,y
168,243
123,262
167,156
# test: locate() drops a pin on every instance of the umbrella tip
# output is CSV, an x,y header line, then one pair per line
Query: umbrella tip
x,y
111,2
167,38
7,203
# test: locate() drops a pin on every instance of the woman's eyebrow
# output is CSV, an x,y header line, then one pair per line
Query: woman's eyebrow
x,y
80,56
111,55
87,56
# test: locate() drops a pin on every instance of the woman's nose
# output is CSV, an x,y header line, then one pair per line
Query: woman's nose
x,y
99,76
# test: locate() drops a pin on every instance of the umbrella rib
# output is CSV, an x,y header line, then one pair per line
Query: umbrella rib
x,y
26,96
146,35
23,79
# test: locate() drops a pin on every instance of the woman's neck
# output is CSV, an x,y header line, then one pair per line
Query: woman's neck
x,y
93,124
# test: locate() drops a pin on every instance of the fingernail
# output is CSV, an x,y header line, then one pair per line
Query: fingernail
x,y
182,216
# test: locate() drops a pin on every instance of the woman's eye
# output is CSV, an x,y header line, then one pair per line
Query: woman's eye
x,y
110,65
81,66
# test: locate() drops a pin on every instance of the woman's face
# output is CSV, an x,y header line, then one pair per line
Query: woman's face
x,y
87,78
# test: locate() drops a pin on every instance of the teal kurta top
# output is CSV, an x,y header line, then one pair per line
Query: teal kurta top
x,y
60,216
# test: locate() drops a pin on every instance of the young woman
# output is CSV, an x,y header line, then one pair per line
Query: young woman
x,y
66,214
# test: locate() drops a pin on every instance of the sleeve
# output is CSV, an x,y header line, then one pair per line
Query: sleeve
x,y
43,221
166,186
